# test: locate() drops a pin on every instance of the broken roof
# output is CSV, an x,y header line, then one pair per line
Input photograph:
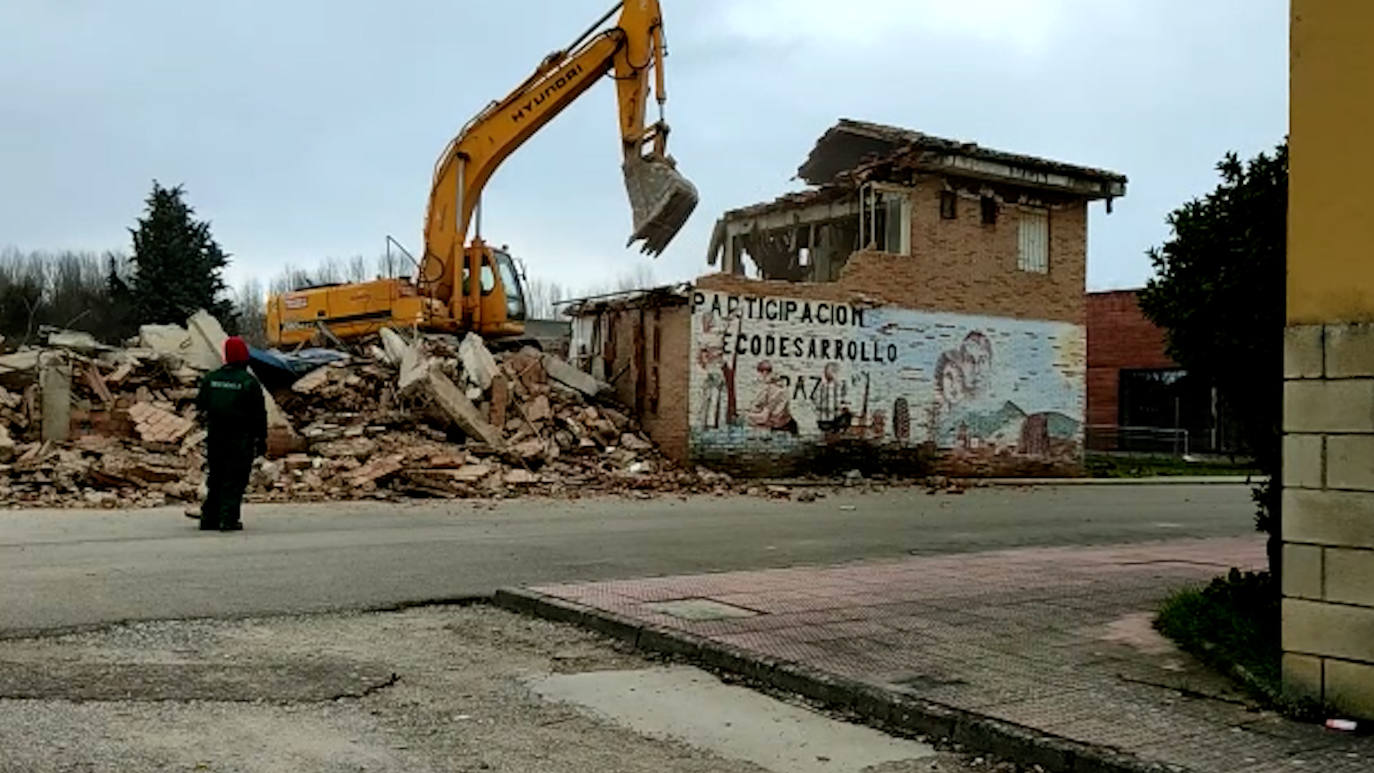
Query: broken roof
x,y
662,295
850,144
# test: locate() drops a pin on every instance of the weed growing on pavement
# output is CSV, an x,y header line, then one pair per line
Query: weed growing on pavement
x,y
1233,625
1108,466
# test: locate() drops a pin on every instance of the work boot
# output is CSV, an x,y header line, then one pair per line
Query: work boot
x,y
235,526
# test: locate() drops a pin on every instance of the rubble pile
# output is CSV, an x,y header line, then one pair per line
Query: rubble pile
x,y
130,435
397,416
442,418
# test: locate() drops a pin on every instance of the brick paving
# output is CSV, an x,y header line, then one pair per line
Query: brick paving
x,y
1054,639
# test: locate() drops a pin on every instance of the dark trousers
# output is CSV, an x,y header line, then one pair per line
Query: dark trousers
x,y
231,463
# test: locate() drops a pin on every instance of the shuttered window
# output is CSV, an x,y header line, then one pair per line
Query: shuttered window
x,y
1034,248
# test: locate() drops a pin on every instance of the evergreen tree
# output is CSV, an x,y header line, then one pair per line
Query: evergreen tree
x,y
1219,293
177,265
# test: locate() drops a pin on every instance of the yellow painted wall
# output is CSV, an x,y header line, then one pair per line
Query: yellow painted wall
x,y
1331,183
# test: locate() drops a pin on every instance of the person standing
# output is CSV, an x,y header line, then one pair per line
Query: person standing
x,y
235,415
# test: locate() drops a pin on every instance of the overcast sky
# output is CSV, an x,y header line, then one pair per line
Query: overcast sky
x,y
304,128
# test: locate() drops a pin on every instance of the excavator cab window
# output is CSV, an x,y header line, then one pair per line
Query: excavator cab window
x,y
488,279
510,280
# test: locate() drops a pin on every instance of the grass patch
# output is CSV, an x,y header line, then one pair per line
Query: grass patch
x,y
1109,466
1233,625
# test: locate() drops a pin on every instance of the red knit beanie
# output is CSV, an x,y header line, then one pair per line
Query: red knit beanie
x,y
235,350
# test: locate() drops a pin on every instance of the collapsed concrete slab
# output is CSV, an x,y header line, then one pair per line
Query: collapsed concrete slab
x,y
479,367
55,388
206,341
571,377
76,341
26,360
393,346
452,404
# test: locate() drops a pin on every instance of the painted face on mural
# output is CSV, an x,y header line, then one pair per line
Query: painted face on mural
x,y
949,379
765,372
975,355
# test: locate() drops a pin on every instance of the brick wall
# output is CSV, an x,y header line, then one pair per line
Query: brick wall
x,y
619,344
1119,338
666,422
1328,514
957,265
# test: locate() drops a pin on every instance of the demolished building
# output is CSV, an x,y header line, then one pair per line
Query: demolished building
x,y
401,414
922,303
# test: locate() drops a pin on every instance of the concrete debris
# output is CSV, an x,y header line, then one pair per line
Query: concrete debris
x,y
391,420
472,472
311,381
518,477
571,377
393,346
479,367
76,341
19,362
155,425
376,469
8,449
98,385
454,407
538,409
170,340
207,338
55,386
357,448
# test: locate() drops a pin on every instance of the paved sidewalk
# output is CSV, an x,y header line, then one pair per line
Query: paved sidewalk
x,y
1056,641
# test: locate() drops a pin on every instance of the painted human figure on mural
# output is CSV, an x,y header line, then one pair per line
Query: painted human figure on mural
x,y
831,399
975,359
772,407
711,359
877,425
950,383
966,410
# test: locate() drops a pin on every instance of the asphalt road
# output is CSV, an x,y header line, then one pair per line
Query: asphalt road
x,y
61,569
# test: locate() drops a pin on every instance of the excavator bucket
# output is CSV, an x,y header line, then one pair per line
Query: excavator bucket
x,y
661,199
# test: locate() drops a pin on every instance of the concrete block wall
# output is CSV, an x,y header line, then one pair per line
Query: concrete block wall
x,y
1328,514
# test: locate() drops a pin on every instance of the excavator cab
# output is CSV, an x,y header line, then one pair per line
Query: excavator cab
x,y
501,295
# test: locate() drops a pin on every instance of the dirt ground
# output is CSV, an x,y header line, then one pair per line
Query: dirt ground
x,y
426,689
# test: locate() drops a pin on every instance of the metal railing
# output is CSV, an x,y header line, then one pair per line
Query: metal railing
x,y
1112,439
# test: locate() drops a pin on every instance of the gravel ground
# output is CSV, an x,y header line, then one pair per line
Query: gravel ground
x,y
429,689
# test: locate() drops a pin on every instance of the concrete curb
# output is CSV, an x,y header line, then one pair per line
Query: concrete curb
x,y
976,732
1162,480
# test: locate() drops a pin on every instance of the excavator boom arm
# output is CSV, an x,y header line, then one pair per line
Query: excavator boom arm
x,y
660,198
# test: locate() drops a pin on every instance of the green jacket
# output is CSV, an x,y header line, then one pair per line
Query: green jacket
x,y
231,405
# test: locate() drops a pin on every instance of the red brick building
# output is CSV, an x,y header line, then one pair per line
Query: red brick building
x,y
1120,338
924,299
1138,398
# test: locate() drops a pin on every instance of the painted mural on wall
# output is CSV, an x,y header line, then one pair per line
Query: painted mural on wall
x,y
804,372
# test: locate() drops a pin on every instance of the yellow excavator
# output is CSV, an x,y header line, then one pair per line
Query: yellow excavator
x,y
441,296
